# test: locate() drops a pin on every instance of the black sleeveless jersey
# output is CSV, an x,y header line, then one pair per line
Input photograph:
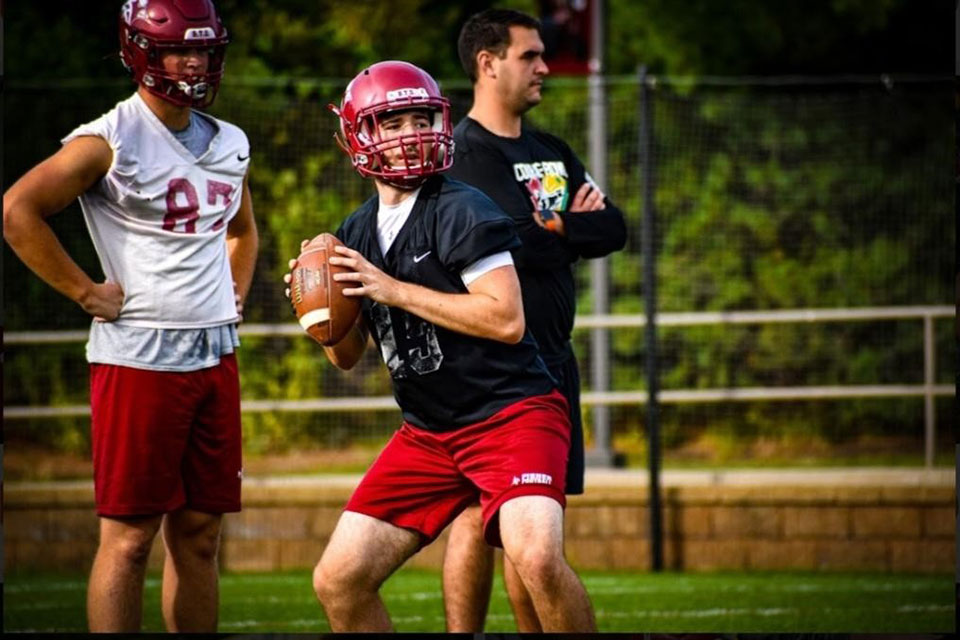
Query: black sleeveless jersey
x,y
539,171
442,379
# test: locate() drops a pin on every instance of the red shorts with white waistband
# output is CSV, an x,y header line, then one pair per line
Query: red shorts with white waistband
x,y
423,479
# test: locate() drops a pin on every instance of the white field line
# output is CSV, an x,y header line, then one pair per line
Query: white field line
x,y
763,611
930,608
39,606
700,613
604,586
67,585
601,614
767,612
51,586
245,624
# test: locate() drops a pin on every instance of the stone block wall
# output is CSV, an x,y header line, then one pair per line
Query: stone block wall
x,y
706,528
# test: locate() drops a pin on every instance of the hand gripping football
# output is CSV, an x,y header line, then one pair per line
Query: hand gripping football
x,y
317,299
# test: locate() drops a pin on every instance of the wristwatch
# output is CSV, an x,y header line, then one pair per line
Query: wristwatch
x,y
550,219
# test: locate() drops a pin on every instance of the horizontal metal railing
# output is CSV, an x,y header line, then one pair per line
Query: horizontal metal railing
x,y
928,389
669,319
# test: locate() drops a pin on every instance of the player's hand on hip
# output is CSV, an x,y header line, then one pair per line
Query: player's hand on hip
x,y
588,198
103,301
238,302
372,282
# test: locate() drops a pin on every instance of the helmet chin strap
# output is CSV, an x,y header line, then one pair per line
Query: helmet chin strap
x,y
408,183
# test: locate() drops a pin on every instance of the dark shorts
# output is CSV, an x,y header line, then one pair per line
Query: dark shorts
x,y
163,440
567,375
422,479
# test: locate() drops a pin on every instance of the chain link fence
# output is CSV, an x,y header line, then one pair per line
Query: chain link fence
x,y
770,194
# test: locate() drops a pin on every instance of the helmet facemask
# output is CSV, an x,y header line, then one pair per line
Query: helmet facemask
x,y
186,90
368,150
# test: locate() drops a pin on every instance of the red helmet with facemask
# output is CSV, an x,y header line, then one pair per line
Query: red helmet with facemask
x,y
382,89
149,28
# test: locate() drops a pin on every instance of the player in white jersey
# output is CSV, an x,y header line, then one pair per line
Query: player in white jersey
x,y
164,193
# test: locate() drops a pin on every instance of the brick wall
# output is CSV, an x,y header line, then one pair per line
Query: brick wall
x,y
285,526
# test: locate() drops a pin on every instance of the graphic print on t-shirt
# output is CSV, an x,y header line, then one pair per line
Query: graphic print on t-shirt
x,y
545,182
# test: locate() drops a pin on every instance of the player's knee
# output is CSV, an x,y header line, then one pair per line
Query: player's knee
x,y
203,547
131,548
538,565
199,539
319,582
328,584
333,580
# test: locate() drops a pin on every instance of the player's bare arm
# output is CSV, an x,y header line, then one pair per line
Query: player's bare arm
x,y
43,191
492,308
346,353
242,243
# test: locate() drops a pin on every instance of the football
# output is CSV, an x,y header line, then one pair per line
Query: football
x,y
317,299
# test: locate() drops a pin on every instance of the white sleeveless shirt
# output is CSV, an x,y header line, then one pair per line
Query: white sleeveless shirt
x,y
158,218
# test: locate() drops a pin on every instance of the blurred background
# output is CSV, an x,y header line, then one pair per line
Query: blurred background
x,y
804,223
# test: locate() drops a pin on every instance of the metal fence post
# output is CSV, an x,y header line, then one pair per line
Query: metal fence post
x,y
650,303
929,378
601,454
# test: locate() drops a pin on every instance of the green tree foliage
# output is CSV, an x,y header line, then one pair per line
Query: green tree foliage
x,y
333,39
751,37
767,198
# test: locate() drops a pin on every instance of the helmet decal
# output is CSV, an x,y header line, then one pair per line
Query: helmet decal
x,y
202,33
407,92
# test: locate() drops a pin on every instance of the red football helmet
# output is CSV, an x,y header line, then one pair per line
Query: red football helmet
x,y
388,87
148,28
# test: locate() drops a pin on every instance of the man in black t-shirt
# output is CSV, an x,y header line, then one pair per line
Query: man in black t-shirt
x,y
561,216
483,420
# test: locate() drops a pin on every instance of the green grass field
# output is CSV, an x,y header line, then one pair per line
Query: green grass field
x,y
721,603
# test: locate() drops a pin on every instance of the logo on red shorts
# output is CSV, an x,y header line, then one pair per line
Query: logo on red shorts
x,y
532,478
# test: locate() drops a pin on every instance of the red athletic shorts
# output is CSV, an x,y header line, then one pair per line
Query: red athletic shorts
x,y
423,479
166,439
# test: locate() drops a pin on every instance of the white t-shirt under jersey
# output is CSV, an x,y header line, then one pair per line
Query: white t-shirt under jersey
x,y
392,217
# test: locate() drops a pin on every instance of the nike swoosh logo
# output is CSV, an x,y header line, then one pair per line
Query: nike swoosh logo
x,y
242,158
419,258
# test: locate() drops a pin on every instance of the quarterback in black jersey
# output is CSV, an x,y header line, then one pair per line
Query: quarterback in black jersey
x,y
483,419
561,216
444,379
